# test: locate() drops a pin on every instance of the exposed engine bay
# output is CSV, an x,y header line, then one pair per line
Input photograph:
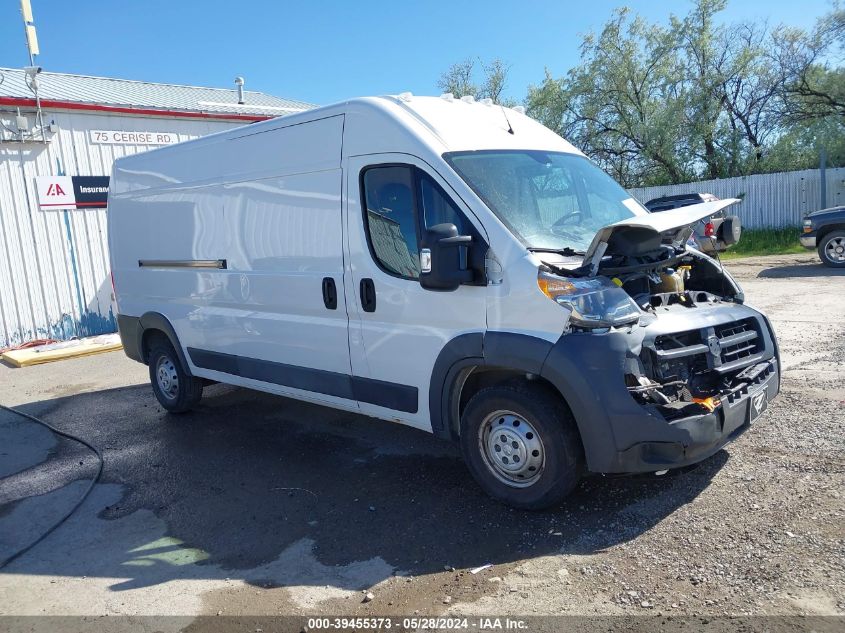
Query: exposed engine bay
x,y
707,350
700,346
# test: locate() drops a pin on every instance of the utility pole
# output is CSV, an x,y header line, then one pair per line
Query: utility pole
x,y
32,70
29,31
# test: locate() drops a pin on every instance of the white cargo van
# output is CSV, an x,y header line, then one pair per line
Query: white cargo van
x,y
444,263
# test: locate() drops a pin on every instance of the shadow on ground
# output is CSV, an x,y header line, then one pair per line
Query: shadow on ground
x,y
249,480
801,270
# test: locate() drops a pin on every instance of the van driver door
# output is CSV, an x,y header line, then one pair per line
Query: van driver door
x,y
397,328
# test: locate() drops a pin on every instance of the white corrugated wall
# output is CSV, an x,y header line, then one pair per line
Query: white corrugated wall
x,y
54,265
768,200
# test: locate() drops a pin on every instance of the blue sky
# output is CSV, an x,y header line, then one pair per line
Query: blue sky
x,y
327,51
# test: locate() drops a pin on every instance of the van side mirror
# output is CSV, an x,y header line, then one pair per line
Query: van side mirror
x,y
444,258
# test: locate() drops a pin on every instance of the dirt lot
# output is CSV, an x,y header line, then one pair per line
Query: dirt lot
x,y
257,504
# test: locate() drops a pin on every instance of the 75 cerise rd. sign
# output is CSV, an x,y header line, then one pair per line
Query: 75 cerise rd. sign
x,y
123,137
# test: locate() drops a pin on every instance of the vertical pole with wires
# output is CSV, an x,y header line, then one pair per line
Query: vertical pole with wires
x,y
29,30
33,50
31,79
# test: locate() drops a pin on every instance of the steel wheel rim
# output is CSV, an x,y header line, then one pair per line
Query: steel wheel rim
x,y
511,448
167,378
835,249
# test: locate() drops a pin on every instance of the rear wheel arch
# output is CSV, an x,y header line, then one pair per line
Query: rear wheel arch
x,y
155,326
148,340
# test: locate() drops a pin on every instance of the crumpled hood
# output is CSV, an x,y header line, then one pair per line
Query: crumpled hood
x,y
651,225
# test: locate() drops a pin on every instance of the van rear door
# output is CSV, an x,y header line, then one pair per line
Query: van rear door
x,y
398,328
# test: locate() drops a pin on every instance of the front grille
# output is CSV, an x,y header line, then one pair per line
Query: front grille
x,y
678,340
722,348
738,340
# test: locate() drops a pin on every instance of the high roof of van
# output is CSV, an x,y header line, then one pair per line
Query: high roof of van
x,y
447,124
425,127
467,124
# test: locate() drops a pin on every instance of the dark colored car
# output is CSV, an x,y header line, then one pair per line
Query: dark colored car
x,y
715,234
825,231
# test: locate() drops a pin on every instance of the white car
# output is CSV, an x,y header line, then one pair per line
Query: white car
x,y
443,263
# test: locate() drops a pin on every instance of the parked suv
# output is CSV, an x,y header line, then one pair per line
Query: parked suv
x,y
825,231
434,263
711,235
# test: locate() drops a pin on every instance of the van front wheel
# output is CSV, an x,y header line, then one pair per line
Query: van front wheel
x,y
173,387
521,445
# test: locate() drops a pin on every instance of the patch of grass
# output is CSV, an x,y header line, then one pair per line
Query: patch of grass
x,y
780,241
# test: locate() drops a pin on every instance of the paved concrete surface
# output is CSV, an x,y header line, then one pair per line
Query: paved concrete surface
x,y
256,504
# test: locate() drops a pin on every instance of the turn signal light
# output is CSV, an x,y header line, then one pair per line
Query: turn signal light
x,y
552,287
708,403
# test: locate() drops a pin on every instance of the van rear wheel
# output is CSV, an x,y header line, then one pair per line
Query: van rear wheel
x,y
174,388
521,444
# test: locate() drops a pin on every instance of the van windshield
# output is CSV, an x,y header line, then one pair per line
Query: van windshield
x,y
549,200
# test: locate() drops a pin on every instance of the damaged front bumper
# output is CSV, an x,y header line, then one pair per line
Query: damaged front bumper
x,y
697,437
622,433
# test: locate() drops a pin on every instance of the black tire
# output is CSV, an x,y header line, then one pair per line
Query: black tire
x,y
832,241
730,230
546,414
179,392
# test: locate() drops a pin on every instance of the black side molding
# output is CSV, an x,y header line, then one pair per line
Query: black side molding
x,y
378,392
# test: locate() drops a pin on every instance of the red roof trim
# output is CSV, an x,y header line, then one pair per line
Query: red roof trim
x,y
71,105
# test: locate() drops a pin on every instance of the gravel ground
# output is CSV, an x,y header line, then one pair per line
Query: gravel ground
x,y
244,515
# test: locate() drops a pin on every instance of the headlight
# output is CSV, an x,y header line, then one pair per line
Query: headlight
x,y
808,226
593,303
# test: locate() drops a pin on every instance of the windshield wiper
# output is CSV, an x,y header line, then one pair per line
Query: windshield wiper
x,y
566,251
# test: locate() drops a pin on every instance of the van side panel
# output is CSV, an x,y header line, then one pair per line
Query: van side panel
x,y
236,155
278,237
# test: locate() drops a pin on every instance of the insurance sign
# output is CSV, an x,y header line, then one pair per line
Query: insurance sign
x,y
72,192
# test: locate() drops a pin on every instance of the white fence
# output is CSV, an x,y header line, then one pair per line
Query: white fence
x,y
768,200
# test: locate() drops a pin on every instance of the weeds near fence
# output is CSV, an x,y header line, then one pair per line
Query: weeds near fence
x,y
778,241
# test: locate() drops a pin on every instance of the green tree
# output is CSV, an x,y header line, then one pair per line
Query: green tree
x,y
812,65
460,80
657,103
622,104
702,61
799,146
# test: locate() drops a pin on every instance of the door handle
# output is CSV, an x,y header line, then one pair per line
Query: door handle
x,y
329,293
368,295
